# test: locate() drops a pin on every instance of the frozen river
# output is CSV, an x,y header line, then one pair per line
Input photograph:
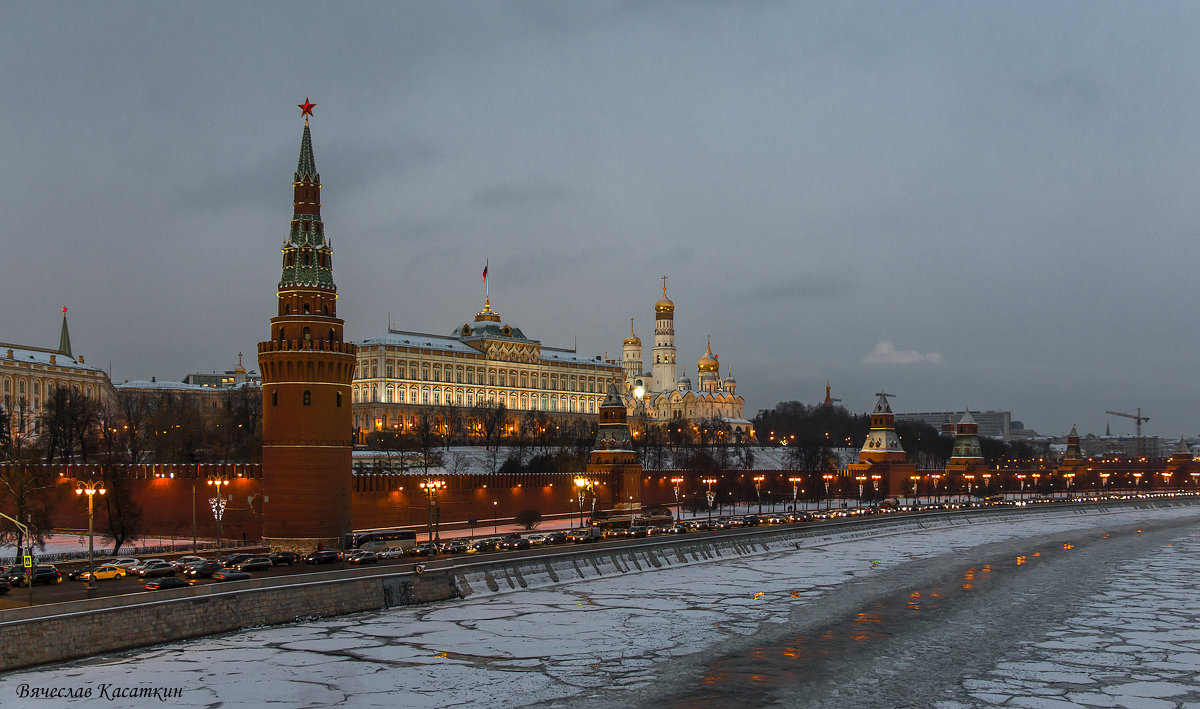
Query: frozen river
x,y
1054,610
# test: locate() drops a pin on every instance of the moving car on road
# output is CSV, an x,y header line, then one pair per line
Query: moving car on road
x,y
150,569
165,582
323,556
202,569
254,563
103,573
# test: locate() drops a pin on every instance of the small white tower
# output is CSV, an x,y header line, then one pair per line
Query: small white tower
x,y
631,360
663,367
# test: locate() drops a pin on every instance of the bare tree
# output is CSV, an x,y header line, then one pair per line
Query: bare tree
x,y
124,515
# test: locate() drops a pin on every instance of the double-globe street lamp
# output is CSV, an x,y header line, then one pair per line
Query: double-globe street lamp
x,y
710,496
584,484
677,481
218,505
432,488
90,488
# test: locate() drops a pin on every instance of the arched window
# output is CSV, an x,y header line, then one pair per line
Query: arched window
x,y
307,309
307,397
307,334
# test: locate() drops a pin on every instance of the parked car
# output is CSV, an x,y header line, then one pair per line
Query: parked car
x,y
202,569
283,558
324,556
182,562
230,575
254,563
676,529
362,557
150,569
103,573
165,582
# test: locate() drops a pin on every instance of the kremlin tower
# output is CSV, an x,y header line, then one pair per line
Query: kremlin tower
x,y
613,457
966,458
663,368
882,457
306,375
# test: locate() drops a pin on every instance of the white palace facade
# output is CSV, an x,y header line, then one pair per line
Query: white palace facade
x,y
29,375
483,363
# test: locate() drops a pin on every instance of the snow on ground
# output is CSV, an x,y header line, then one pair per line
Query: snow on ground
x,y
579,643
60,543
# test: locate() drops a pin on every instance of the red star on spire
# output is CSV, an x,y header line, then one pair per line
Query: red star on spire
x,y
306,108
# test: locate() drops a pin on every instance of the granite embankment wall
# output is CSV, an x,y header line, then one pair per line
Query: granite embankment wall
x,y
65,631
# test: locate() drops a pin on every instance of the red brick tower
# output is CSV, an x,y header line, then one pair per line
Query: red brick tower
x,y
306,373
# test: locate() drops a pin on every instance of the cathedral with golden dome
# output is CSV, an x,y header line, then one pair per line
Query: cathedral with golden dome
x,y
660,391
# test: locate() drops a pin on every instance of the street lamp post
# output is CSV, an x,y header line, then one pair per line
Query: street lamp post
x,y
828,500
218,506
795,492
1035,477
710,496
916,479
1021,479
758,481
936,494
90,488
431,488
862,479
495,516
678,508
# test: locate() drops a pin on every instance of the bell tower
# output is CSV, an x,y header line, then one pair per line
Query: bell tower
x,y
306,374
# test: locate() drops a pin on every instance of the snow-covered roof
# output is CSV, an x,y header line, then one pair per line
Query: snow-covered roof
x,y
38,355
164,385
419,339
444,343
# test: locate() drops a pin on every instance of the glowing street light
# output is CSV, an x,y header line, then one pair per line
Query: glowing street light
x,y
677,481
758,481
90,489
431,488
710,496
218,505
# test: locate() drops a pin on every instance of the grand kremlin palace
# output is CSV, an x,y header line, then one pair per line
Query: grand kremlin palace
x,y
483,363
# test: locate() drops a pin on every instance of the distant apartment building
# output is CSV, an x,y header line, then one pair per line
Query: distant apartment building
x,y
993,424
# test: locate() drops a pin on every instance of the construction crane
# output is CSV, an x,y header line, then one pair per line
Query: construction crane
x,y
1139,419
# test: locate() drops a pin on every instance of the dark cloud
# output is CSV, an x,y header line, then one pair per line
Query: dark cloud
x,y
1011,186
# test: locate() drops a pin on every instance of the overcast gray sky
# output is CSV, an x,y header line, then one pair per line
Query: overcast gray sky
x,y
990,205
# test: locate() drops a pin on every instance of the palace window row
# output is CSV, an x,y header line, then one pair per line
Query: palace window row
x,y
438,396
460,374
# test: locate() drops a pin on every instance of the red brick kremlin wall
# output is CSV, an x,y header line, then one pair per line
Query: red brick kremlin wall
x,y
164,493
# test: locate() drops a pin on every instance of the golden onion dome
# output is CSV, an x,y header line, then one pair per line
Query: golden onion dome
x,y
664,306
633,339
708,363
